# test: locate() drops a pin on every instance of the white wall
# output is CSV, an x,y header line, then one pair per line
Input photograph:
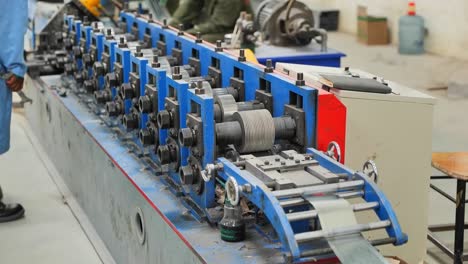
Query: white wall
x,y
446,20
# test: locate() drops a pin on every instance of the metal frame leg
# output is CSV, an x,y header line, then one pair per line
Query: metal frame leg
x,y
459,222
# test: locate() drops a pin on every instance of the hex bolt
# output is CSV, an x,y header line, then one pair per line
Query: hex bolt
x,y
181,30
242,57
219,46
112,109
269,66
145,105
176,74
164,119
164,154
138,52
155,63
266,162
122,42
165,24
126,91
130,121
186,137
77,53
199,38
101,97
111,80
89,86
300,79
147,136
109,32
186,175
98,68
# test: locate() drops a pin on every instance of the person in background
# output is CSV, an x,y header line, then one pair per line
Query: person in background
x,y
212,18
13,25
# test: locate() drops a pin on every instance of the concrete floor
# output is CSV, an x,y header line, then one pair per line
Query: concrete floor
x,y
51,233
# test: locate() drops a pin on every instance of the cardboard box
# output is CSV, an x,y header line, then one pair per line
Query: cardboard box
x,y
372,30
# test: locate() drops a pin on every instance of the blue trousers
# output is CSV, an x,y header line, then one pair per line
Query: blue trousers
x,y
5,116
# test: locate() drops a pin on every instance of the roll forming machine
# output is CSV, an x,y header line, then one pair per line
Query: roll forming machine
x,y
238,143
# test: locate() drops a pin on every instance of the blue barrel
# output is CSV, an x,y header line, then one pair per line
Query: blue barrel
x,y
411,35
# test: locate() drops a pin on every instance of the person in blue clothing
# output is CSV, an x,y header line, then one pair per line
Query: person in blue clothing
x,y
13,25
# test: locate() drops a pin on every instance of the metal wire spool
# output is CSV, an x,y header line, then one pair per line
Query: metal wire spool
x,y
258,130
228,106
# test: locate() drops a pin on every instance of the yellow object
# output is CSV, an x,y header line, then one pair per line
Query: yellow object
x,y
93,6
250,56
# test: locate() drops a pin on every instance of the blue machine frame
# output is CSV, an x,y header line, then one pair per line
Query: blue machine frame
x,y
97,44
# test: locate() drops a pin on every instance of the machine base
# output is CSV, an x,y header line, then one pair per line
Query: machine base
x,y
133,212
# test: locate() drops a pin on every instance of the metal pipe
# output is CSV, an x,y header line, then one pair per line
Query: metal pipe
x,y
301,201
326,188
349,230
314,213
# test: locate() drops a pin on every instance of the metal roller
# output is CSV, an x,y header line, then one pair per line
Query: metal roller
x,y
227,105
258,130
228,90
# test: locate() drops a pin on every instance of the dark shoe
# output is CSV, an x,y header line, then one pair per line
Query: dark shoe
x,y
10,212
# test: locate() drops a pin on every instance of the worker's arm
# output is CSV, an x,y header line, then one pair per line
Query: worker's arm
x,y
13,25
186,12
224,15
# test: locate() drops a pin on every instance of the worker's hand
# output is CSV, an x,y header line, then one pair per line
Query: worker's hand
x,y
15,83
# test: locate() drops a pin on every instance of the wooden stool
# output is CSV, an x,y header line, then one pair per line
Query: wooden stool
x,y
455,166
